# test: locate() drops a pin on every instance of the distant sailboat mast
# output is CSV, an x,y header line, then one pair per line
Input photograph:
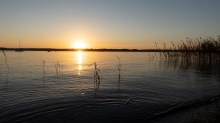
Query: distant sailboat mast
x,y
19,48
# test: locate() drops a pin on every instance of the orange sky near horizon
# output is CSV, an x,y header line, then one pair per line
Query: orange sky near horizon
x,y
106,24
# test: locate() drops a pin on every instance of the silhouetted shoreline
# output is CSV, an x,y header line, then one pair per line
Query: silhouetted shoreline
x,y
97,50
72,49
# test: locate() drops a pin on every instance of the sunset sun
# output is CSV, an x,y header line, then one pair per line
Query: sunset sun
x,y
79,45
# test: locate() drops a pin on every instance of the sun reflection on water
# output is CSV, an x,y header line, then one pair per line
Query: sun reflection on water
x,y
79,59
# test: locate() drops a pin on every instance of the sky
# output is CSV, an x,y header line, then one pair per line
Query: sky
x,y
133,24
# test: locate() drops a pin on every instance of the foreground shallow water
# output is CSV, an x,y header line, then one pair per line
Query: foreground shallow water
x,y
59,86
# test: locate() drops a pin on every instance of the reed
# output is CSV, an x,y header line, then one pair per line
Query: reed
x,y
58,68
62,69
6,62
96,74
198,51
43,70
119,65
43,67
6,78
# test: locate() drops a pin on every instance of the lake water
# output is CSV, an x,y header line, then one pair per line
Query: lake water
x,y
36,92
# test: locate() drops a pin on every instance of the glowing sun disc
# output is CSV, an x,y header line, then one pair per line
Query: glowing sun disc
x,y
79,45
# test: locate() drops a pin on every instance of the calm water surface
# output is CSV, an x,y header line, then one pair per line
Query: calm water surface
x,y
34,92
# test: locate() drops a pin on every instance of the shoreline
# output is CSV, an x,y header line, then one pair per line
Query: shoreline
x,y
99,50
87,49
201,111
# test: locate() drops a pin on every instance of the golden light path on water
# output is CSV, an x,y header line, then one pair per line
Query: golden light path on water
x,y
79,59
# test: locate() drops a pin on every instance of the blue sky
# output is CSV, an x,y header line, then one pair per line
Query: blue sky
x,y
106,24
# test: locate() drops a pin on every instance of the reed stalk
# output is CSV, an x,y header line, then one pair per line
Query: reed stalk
x,y
6,79
43,70
6,59
43,66
58,68
119,68
96,74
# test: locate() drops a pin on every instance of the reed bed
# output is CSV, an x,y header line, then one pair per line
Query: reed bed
x,y
192,52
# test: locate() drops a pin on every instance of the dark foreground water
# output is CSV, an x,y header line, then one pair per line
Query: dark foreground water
x,y
62,89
